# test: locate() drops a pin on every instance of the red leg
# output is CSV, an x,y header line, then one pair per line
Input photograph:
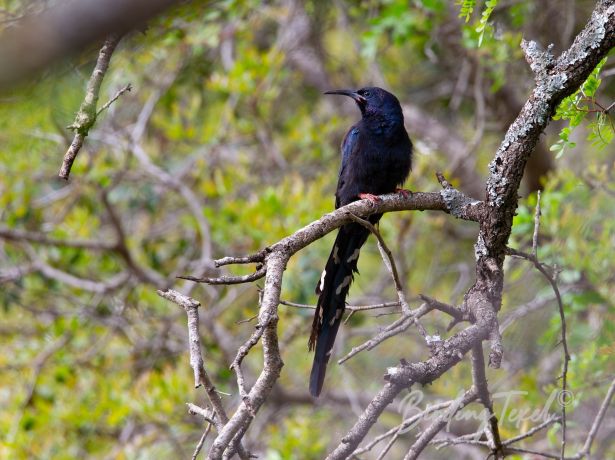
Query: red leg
x,y
403,192
370,197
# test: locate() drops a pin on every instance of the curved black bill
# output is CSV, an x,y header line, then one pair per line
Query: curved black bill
x,y
350,93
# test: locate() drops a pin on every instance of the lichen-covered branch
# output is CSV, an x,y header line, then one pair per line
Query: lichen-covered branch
x,y
86,116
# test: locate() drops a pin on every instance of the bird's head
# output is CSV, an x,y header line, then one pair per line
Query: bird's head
x,y
374,101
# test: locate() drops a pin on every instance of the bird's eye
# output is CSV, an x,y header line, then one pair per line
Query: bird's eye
x,y
366,94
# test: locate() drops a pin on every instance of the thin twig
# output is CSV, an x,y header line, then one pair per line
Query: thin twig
x,y
41,238
553,282
440,422
404,426
201,442
458,314
519,450
117,95
532,431
210,419
389,261
584,452
191,307
537,215
258,274
351,308
391,330
480,383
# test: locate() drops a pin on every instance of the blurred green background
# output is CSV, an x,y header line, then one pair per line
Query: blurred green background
x,y
226,144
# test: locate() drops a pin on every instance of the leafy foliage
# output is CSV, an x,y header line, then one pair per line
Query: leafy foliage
x,y
466,8
483,23
576,108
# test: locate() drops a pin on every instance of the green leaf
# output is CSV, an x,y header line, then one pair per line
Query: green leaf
x,y
466,9
575,109
483,23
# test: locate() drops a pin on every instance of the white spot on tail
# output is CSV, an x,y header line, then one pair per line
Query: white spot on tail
x,y
344,283
354,256
338,315
336,258
322,280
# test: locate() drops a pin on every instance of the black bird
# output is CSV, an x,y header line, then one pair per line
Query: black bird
x,y
376,159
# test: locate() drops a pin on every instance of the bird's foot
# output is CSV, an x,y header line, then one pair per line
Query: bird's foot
x,y
403,192
368,196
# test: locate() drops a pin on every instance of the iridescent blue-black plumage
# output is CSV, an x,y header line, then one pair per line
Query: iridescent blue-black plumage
x,y
376,159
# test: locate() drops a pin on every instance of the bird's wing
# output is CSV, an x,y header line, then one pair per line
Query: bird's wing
x,y
349,146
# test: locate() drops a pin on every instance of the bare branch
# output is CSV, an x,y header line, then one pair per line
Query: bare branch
x,y
196,359
41,238
253,258
584,452
196,410
145,274
360,429
191,307
389,262
201,443
553,282
258,274
448,353
417,201
480,384
267,331
86,117
458,314
193,409
117,95
403,426
351,308
392,330
532,431
440,422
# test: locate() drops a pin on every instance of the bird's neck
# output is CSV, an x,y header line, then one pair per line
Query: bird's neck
x,y
383,123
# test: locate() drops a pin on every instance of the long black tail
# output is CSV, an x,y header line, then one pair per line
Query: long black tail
x,y
333,289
